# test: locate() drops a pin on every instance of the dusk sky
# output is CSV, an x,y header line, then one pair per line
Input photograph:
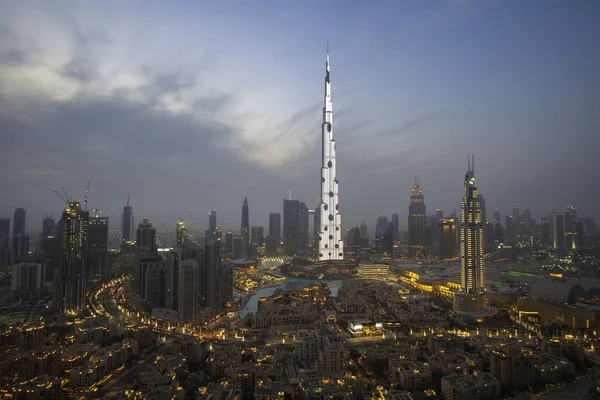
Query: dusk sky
x,y
192,106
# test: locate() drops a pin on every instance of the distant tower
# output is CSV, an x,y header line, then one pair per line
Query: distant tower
x,y
395,229
146,238
417,222
245,229
127,223
211,233
483,210
384,237
71,280
559,233
363,229
4,241
295,226
20,245
97,247
331,246
181,232
471,300
447,233
187,302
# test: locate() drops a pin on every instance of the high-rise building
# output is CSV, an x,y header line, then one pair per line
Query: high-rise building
x,y
20,244
448,245
295,226
471,300
384,237
483,211
49,246
27,278
417,223
173,259
331,245
363,229
559,235
497,216
48,226
578,234
216,278
70,281
257,236
395,227
211,233
97,248
188,290
4,241
228,243
146,238
127,223
182,232
545,232
275,225
353,241
245,229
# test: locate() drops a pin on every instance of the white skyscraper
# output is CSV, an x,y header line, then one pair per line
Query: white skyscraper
x,y
331,246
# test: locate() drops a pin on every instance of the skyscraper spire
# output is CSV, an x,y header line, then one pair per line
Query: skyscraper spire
x,y
331,246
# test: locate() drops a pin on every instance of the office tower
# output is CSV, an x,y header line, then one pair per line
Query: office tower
x,y
237,248
497,216
275,226
212,221
395,228
48,226
384,238
20,244
590,227
363,229
4,241
182,232
471,300
188,290
439,213
97,248
571,210
353,241
50,246
210,234
578,234
570,218
448,244
245,230
228,243
558,231
545,232
257,236
498,232
483,211
154,284
70,285
127,223
146,238
433,232
295,226
216,278
172,260
510,232
489,236
417,222
331,246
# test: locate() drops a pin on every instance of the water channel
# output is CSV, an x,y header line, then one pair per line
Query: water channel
x,y
288,284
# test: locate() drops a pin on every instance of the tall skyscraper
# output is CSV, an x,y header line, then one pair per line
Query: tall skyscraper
x,y
257,236
172,260
127,223
471,300
384,237
181,232
483,210
211,233
70,281
4,241
417,222
50,246
216,278
331,245
48,226
545,232
497,217
559,233
363,229
295,226
448,245
97,248
188,290
146,238
275,225
395,228
245,229
20,244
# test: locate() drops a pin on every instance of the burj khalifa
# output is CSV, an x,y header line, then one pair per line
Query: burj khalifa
x,y
331,246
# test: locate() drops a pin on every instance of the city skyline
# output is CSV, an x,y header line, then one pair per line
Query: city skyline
x,y
80,95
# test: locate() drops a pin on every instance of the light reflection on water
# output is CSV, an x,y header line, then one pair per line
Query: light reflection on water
x,y
288,284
